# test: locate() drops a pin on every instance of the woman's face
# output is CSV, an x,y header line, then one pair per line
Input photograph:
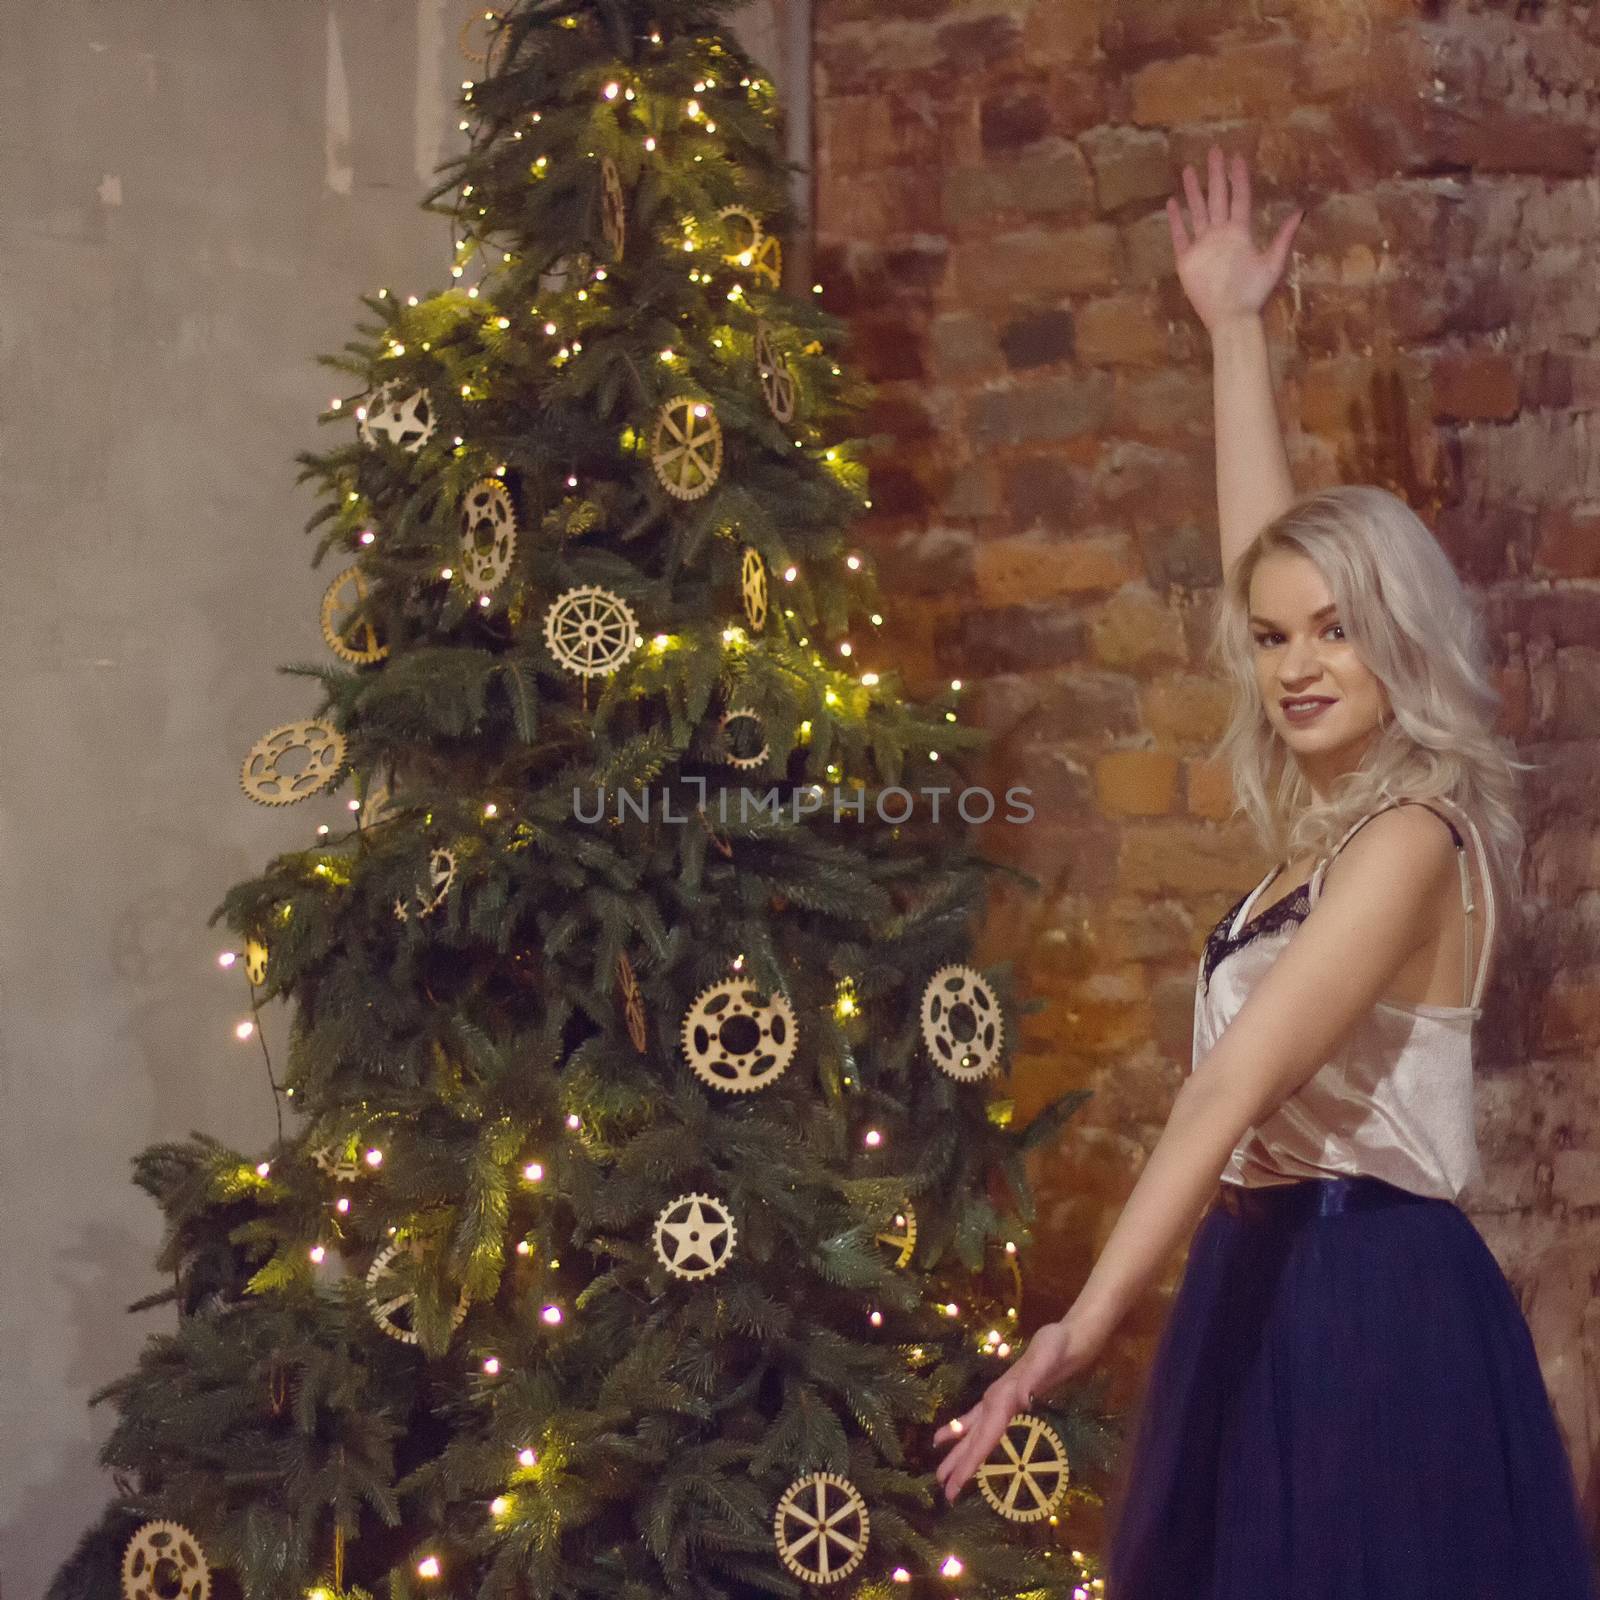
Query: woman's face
x,y
1301,651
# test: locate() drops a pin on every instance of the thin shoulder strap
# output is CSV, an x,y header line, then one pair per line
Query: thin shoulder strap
x,y
1486,878
1473,988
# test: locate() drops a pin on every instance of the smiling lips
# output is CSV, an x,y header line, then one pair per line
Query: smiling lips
x,y
1304,710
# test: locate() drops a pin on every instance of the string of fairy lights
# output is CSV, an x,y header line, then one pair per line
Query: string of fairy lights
x,y
523,1469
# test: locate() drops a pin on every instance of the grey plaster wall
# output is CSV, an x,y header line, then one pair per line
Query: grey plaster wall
x,y
192,195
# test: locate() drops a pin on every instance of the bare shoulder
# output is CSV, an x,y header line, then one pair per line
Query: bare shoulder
x,y
1407,848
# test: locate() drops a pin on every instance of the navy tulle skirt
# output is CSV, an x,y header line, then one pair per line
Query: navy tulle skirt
x,y
1345,1404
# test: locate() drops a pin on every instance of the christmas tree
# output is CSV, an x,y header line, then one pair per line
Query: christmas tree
x,y
642,1195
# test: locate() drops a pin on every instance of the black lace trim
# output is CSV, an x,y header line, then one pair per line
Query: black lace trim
x,y
1294,907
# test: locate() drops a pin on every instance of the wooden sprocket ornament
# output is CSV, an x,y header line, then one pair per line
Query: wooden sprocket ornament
x,y
407,420
734,1040
753,587
901,1235
687,449
754,248
428,899
613,207
1025,1476
742,714
255,962
269,775
695,1235
391,1300
488,27
821,1528
348,630
488,535
164,1561
962,1024
337,1160
589,630
777,382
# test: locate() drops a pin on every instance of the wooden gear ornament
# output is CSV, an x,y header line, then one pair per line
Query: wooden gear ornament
x,y
1025,1476
695,1235
962,1024
589,630
389,1299
735,1041
753,587
255,962
632,1002
901,1235
777,381
164,1561
725,740
613,207
427,900
760,252
405,420
687,449
490,26
266,778
821,1527
488,535
350,633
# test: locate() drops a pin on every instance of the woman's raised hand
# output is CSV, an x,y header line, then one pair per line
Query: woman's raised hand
x,y
1221,271
1058,1351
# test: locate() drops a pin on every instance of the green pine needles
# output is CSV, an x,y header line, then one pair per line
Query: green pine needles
x,y
639,1125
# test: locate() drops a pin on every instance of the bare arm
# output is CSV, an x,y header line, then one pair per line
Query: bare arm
x,y
1381,901
1228,281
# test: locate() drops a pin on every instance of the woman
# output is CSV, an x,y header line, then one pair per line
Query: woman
x,y
1345,1401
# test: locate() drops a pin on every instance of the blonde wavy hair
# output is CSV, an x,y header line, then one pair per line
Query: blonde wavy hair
x,y
1421,634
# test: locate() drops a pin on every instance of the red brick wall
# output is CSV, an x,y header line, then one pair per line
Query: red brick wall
x,y
989,209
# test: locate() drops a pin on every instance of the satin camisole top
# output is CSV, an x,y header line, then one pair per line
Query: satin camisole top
x,y
1395,1101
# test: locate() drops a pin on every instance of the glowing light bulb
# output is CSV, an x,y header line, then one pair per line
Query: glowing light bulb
x,y
342,1204
574,1120
491,810
876,1319
612,90
524,1248
572,482
374,1158
527,1458
484,603
499,1505
244,1030
428,1566
853,562
354,805
790,574
952,1567
869,678
227,958
491,1365
955,683
263,1168
317,1253
552,1315
447,572
533,1172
